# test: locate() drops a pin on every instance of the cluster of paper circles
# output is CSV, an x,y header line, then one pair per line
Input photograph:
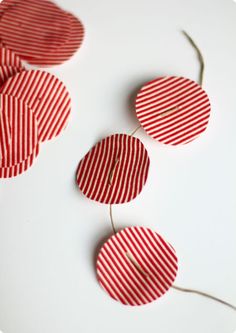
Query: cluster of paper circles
x,y
34,107
39,31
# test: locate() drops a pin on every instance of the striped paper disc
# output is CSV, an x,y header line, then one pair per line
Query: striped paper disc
x,y
114,170
8,71
46,95
62,54
5,131
23,128
136,266
32,28
9,58
19,168
173,110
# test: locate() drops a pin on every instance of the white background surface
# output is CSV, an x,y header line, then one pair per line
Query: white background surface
x,y
49,232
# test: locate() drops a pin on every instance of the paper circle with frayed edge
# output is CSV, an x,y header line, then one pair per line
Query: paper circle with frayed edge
x,y
46,95
19,168
9,58
23,131
115,170
136,266
32,28
173,110
64,53
8,71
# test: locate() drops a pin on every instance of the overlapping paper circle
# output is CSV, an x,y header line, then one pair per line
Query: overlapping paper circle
x,y
46,95
34,107
39,31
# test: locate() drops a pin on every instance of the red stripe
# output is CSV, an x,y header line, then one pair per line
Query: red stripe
x,y
129,280
131,270
189,112
146,263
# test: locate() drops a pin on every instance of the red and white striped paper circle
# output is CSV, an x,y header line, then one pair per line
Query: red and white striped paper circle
x,y
136,266
173,110
32,28
115,170
9,58
23,130
46,95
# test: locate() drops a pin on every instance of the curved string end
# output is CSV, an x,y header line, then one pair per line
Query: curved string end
x,y
200,56
204,294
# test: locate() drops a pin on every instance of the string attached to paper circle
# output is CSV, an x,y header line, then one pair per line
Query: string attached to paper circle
x,y
178,288
137,265
132,260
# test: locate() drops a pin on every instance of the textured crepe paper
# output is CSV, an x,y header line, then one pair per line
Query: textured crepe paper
x,y
5,4
8,71
9,58
136,266
23,130
115,170
46,95
64,53
5,131
33,28
173,110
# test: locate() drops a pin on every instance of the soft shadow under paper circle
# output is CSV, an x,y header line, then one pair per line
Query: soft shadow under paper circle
x,y
115,170
136,266
21,167
173,110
